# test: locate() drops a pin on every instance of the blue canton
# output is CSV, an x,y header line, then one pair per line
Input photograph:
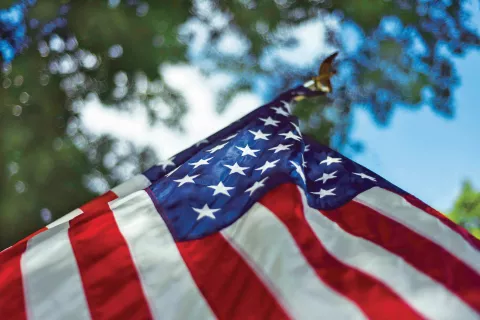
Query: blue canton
x,y
213,183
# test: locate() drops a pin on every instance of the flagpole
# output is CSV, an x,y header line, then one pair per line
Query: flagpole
x,y
309,84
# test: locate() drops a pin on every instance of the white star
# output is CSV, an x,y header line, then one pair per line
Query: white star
x,y
327,176
281,147
220,188
290,135
270,122
280,111
364,176
230,137
299,170
215,149
205,212
256,185
247,151
166,163
170,173
267,165
322,193
200,162
201,142
259,135
296,128
331,160
186,179
287,106
307,148
236,169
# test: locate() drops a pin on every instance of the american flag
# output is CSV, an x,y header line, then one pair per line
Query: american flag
x,y
256,222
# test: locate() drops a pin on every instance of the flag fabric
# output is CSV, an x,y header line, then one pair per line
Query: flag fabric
x,y
256,222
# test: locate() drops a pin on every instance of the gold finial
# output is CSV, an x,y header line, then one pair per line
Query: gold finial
x,y
325,72
321,82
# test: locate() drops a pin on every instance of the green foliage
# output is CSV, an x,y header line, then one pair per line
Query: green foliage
x,y
466,210
397,51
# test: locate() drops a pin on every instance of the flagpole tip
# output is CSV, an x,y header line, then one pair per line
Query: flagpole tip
x,y
321,82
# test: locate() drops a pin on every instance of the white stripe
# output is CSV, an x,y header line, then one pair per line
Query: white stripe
x,y
425,295
52,284
69,216
170,290
267,245
137,183
400,210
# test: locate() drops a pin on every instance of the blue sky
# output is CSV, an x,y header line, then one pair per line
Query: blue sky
x,y
424,153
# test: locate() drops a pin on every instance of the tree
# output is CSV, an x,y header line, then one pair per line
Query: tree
x,y
394,53
466,210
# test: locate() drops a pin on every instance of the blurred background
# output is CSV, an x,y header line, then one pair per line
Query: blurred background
x,y
104,89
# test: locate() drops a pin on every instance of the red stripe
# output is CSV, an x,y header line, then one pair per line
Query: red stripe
x,y
229,285
449,223
12,300
45,228
426,256
110,280
374,298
